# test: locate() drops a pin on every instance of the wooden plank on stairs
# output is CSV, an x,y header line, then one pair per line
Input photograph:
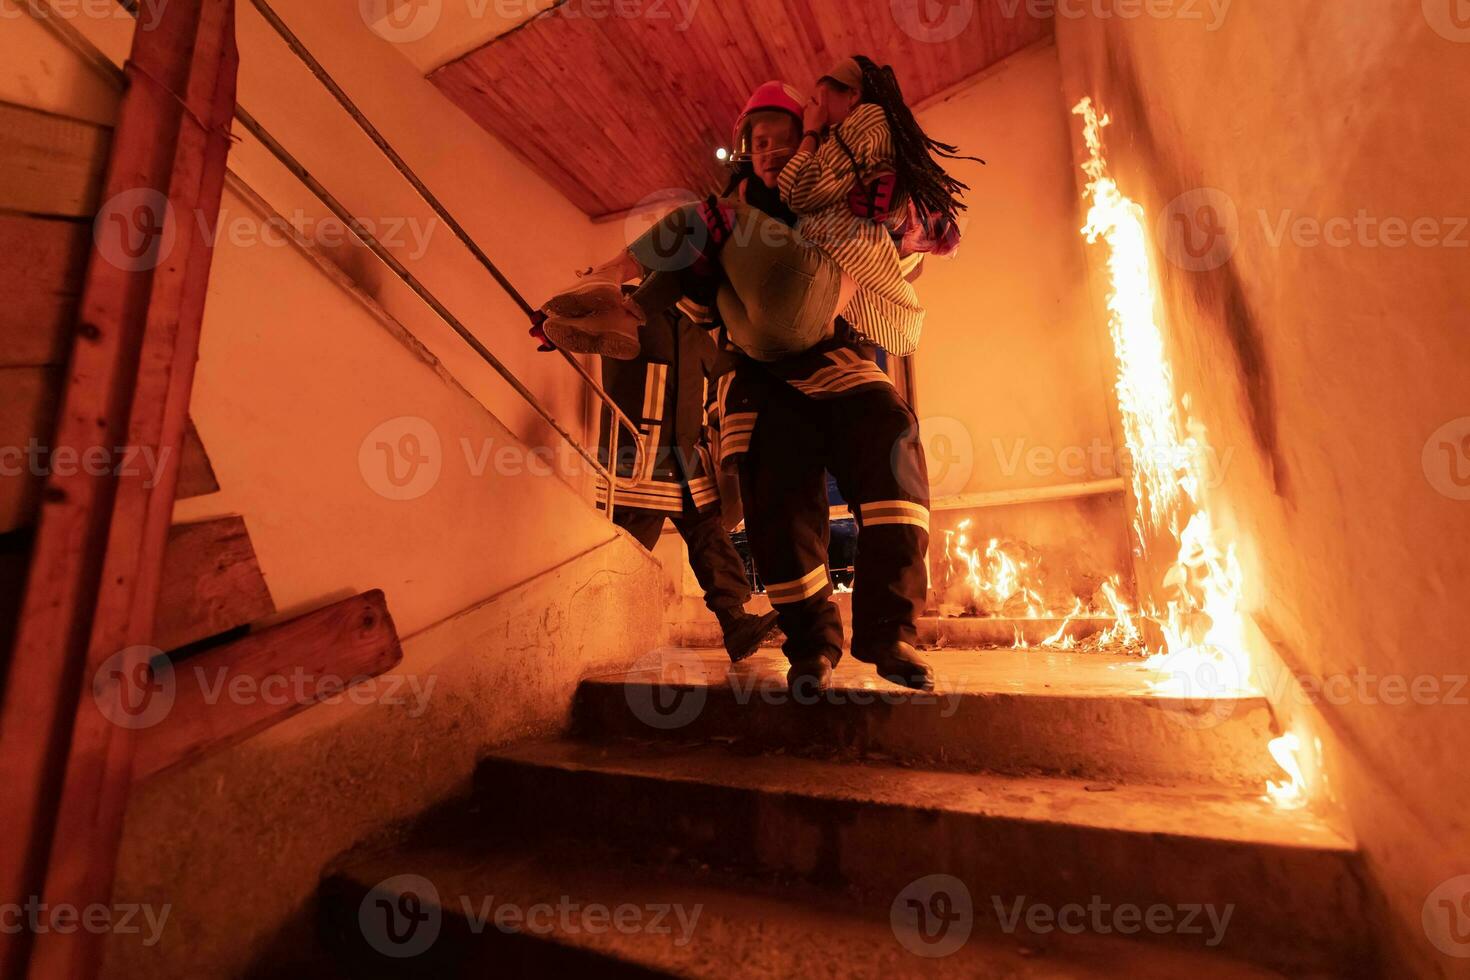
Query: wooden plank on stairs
x,y
27,411
42,261
50,164
211,583
196,473
350,640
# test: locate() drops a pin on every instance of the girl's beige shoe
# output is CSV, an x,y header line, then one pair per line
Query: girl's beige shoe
x,y
613,333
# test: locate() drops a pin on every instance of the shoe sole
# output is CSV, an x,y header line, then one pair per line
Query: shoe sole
x,y
569,337
748,652
927,685
585,300
806,690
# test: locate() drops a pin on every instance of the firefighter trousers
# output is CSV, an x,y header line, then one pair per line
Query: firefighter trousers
x,y
869,442
712,556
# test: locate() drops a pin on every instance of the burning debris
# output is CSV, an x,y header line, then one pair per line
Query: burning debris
x,y
1012,580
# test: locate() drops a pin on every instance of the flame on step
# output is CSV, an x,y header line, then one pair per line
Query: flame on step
x,y
1124,630
1290,793
999,581
1004,579
1205,652
1060,640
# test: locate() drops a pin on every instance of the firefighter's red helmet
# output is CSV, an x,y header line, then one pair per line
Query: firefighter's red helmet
x,y
772,96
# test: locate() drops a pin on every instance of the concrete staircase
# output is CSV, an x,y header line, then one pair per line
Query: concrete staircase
x,y
1042,815
692,626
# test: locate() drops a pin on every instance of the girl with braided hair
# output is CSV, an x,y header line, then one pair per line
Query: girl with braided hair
x,y
779,293
869,132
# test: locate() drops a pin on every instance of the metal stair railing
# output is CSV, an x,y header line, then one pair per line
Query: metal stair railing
x,y
621,421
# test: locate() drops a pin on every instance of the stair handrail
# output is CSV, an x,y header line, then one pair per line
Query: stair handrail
x,y
104,65
319,71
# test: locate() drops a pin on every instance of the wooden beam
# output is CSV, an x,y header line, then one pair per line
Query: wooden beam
x,y
93,580
50,164
274,674
199,77
212,583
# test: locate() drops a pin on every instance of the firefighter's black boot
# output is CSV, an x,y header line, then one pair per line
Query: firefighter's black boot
x,y
744,631
901,664
808,678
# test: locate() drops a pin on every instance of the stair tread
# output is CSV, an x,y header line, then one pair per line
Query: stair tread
x,y
1188,812
744,929
1033,673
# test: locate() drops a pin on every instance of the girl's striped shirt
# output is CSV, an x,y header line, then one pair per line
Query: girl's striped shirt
x,y
816,185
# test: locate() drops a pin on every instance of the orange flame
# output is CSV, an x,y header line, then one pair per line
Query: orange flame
x,y
1205,650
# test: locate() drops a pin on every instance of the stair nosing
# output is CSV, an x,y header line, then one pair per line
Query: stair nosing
x,y
1325,839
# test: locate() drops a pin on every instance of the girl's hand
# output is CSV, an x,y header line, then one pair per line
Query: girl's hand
x,y
814,117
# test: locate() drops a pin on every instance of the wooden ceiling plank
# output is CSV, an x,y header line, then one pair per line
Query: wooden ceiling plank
x,y
687,142
487,109
611,109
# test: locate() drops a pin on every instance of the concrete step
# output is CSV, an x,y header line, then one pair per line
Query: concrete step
x,y
1288,883
934,631
1011,711
570,908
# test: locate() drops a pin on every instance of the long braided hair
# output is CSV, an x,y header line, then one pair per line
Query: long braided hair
x,y
933,191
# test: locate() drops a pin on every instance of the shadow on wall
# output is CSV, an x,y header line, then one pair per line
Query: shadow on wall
x,y
1215,290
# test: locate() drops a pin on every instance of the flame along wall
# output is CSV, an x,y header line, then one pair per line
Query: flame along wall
x,y
1300,170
